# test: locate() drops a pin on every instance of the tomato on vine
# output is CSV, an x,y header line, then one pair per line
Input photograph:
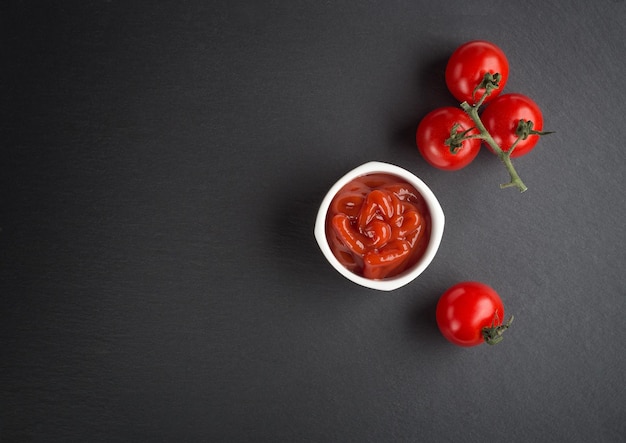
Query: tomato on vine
x,y
513,120
441,138
474,68
476,74
470,313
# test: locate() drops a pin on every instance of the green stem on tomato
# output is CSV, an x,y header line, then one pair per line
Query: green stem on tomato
x,y
504,156
493,334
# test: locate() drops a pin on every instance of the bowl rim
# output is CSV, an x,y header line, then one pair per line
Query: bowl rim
x,y
437,226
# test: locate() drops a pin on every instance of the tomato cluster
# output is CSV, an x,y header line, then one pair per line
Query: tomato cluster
x,y
450,138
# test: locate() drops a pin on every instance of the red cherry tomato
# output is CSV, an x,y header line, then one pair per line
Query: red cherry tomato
x,y
467,66
434,130
502,117
467,311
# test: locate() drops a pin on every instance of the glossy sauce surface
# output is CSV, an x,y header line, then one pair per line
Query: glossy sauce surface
x,y
378,225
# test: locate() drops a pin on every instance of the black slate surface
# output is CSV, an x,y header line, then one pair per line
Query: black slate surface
x,y
161,169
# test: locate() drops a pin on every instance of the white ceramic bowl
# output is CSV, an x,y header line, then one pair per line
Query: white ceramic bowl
x,y
437,220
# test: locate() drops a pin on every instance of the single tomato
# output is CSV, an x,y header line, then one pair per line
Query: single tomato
x,y
502,117
471,313
435,129
467,67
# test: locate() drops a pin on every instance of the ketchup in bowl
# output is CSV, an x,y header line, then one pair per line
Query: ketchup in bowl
x,y
378,225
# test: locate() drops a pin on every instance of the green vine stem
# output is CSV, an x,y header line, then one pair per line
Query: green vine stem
x,y
490,83
504,156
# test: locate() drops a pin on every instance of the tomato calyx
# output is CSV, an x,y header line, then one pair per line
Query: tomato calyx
x,y
525,128
456,139
523,131
489,83
493,334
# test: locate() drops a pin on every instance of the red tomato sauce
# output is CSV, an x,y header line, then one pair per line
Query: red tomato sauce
x,y
378,225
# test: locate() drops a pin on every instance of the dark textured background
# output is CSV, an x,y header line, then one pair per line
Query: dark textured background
x,y
161,166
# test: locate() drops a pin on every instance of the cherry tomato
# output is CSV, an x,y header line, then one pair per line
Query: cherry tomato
x,y
468,65
502,117
469,310
434,130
